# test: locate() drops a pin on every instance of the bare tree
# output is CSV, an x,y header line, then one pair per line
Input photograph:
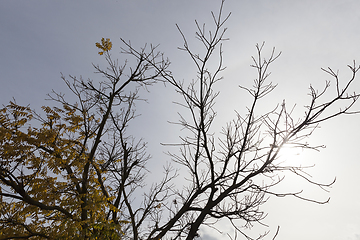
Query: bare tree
x,y
101,168
232,176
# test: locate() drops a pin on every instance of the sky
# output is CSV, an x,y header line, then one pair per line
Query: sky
x,y
42,39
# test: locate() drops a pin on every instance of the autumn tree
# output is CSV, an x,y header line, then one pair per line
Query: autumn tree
x,y
70,174
75,172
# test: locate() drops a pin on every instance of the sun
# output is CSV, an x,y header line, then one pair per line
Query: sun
x,y
290,155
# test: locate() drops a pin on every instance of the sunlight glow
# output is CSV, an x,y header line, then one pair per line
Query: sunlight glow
x,y
290,155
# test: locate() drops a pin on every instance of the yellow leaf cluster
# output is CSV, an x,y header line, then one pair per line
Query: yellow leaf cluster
x,y
105,45
43,155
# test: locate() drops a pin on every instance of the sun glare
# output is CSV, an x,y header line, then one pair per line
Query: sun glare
x,y
290,155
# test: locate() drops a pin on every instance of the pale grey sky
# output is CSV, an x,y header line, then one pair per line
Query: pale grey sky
x,y
40,39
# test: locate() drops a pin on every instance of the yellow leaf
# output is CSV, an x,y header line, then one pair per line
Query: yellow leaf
x,y
105,45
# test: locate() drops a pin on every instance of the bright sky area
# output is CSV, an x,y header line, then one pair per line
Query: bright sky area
x,y
40,39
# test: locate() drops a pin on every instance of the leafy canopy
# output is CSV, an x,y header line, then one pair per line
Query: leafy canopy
x,y
42,175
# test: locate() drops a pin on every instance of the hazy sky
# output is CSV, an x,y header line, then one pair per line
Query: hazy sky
x,y
40,39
